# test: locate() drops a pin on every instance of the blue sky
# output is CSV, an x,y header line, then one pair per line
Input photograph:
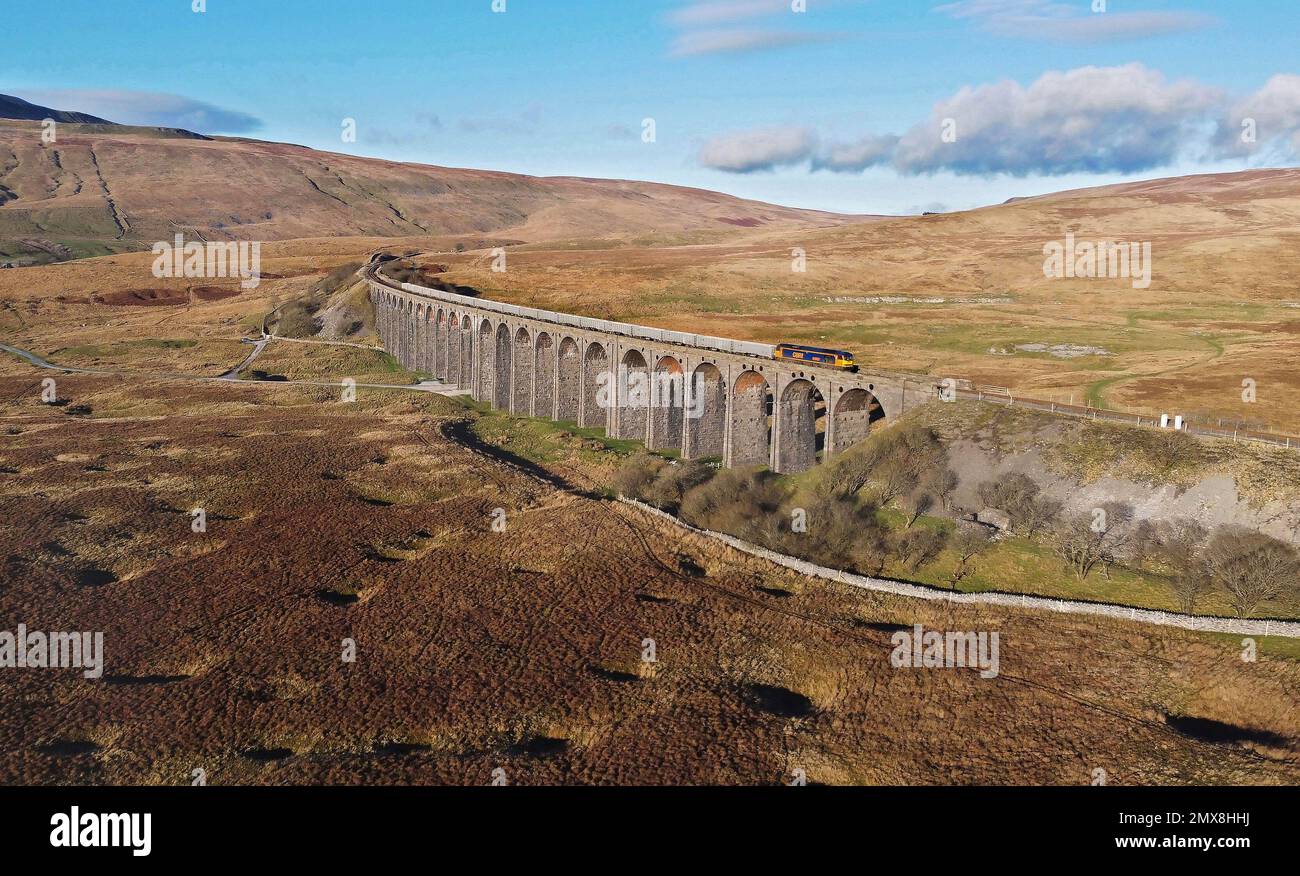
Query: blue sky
x,y
838,107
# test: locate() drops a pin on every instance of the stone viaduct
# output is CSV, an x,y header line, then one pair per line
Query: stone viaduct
x,y
704,397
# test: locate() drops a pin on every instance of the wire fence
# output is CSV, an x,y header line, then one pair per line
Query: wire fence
x,y
1233,432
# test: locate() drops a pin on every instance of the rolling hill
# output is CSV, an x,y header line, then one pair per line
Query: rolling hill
x,y
964,294
16,108
103,188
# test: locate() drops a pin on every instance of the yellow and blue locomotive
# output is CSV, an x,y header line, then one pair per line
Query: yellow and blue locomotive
x,y
841,359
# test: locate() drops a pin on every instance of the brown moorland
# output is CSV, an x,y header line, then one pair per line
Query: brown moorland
x,y
521,649
478,649
103,189
964,294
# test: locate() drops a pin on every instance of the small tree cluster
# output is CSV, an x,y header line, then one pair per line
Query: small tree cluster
x,y
748,503
1020,497
660,482
919,547
1101,538
893,464
835,525
1249,567
1252,568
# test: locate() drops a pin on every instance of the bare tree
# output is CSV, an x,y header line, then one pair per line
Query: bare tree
x,y
1088,540
1008,491
894,478
1038,514
1175,549
871,552
968,543
892,462
1252,567
917,547
918,501
1144,543
744,502
944,485
1019,496
1189,585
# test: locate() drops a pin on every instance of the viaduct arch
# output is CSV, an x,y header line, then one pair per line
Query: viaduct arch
x,y
703,397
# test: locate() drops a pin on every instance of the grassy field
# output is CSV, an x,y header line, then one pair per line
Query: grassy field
x,y
296,361
1019,565
206,357
540,440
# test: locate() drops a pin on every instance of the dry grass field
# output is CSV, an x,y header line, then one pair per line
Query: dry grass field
x,y
960,294
964,294
522,649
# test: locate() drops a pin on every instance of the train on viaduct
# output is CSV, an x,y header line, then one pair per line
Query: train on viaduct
x,y
704,397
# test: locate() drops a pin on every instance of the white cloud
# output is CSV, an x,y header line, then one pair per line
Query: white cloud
x,y
1273,114
762,149
1124,119
714,42
148,108
858,155
1049,19
712,27
1091,120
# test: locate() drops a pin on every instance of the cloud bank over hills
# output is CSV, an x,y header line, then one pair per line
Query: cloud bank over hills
x,y
1123,119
